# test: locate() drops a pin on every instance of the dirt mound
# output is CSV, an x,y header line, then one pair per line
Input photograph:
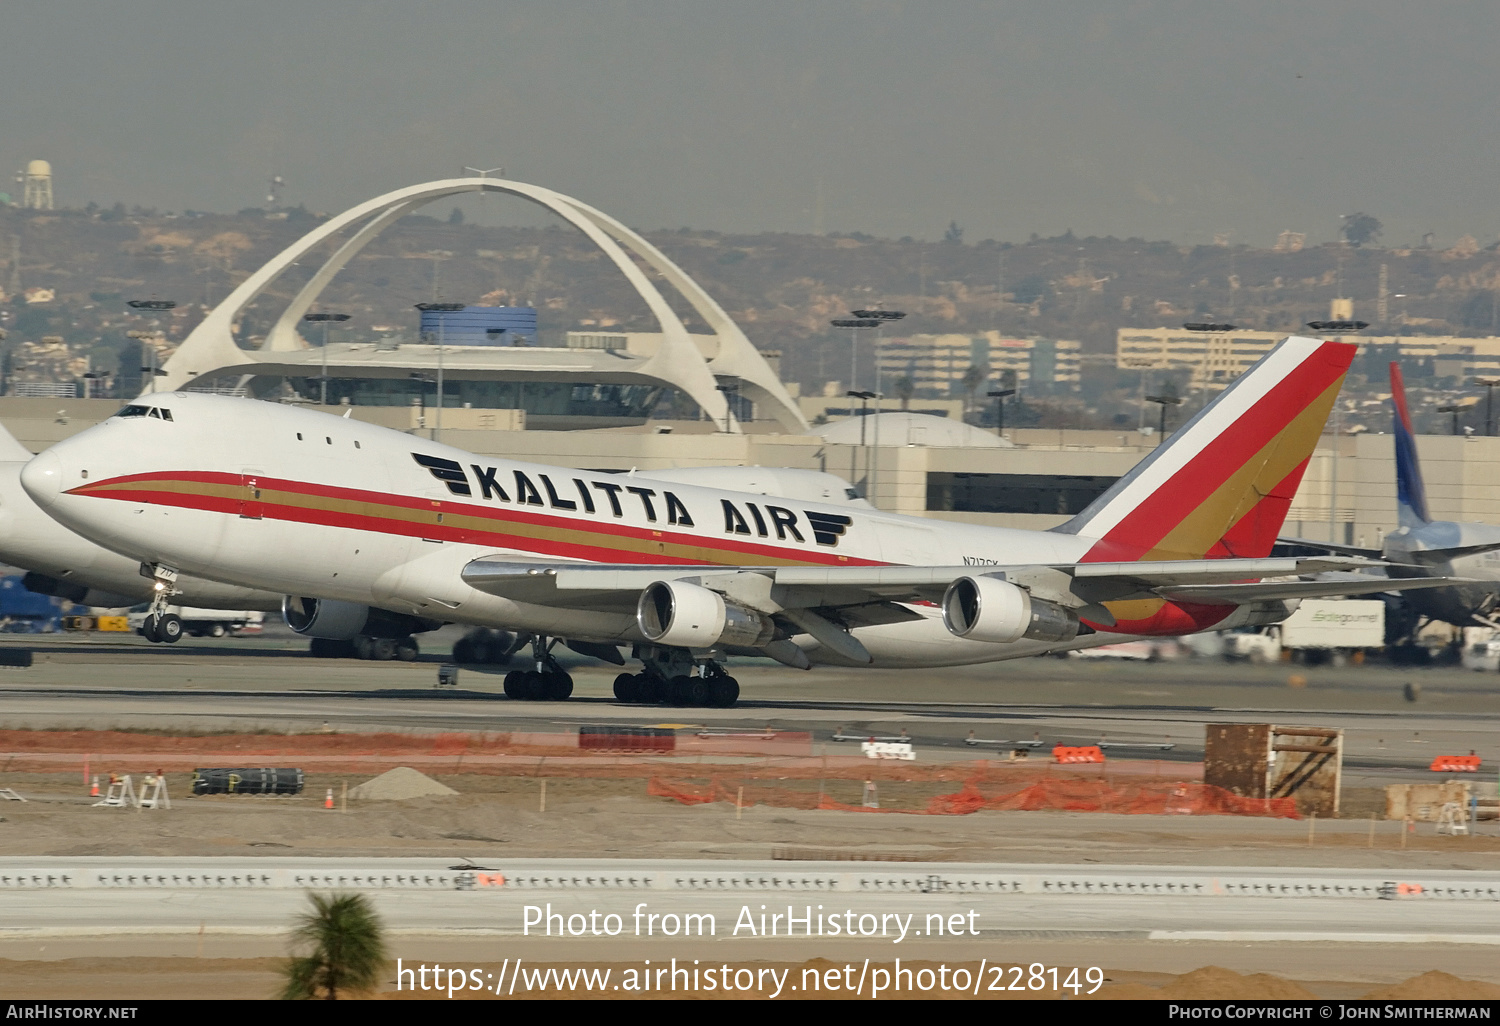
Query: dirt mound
x,y
1435,986
1213,983
397,784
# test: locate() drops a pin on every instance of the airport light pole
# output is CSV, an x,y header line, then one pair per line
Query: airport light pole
x,y
324,319
729,388
424,379
145,306
854,324
864,399
1455,409
442,310
1163,401
1489,402
999,395
1340,327
881,317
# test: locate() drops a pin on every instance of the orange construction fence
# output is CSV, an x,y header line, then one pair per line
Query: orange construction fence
x,y
1025,794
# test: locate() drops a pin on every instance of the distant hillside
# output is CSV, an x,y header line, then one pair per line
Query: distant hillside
x,y
782,288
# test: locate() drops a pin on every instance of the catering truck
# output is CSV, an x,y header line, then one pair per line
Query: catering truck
x,y
1320,631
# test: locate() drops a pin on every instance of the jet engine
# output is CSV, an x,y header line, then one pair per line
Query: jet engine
x,y
688,616
341,621
989,609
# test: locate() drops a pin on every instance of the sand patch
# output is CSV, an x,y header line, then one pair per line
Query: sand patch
x,y
398,784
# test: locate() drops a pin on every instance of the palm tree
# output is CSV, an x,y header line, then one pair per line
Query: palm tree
x,y
905,389
348,949
972,379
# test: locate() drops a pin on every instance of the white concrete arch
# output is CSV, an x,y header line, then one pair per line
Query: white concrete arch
x,y
737,356
211,348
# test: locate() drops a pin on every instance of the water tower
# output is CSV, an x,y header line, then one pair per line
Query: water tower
x,y
37,192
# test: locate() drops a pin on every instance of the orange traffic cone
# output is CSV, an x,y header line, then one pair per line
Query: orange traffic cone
x,y
94,791
328,802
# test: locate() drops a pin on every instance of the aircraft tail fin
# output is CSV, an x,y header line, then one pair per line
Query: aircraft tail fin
x,y
11,450
1222,484
1411,495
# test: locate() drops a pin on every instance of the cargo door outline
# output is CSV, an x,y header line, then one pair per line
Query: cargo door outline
x,y
251,506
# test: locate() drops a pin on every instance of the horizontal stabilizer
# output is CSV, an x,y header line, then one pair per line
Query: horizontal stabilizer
x,y
1346,550
1437,557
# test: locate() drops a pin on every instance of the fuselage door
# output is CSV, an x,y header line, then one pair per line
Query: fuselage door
x,y
251,505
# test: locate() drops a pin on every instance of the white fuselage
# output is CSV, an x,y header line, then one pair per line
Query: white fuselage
x,y
332,508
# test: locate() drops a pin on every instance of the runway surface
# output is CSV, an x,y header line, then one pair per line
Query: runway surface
x,y
271,684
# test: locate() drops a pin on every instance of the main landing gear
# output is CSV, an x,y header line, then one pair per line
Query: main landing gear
x,y
548,682
671,677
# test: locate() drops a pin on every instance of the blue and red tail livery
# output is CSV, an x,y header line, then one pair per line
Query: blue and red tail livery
x,y
1411,496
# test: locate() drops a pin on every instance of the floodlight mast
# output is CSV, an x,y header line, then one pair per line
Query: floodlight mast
x,y
854,324
441,309
729,386
999,395
881,317
159,306
1337,327
1163,401
324,319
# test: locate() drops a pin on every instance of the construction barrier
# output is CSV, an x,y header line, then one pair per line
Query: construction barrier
x,y
1082,753
1015,794
626,739
1456,764
248,781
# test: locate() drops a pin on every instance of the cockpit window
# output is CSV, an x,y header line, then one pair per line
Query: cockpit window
x,y
134,410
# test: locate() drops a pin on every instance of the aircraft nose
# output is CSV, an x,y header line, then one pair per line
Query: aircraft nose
x,y
42,479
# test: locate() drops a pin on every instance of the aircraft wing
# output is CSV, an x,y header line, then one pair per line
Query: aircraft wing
x,y
617,587
1329,586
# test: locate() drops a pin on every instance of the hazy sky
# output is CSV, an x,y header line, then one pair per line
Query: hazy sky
x,y
1161,118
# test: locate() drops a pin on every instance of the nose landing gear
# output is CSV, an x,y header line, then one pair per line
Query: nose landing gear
x,y
160,626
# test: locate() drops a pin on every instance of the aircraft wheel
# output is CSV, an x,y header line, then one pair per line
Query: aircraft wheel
x,y
723,692
362,646
148,628
513,684
557,686
463,651
382,649
651,689
169,629
407,650
625,688
687,691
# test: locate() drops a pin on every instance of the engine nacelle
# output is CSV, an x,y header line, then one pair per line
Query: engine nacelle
x,y
342,621
685,615
989,609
